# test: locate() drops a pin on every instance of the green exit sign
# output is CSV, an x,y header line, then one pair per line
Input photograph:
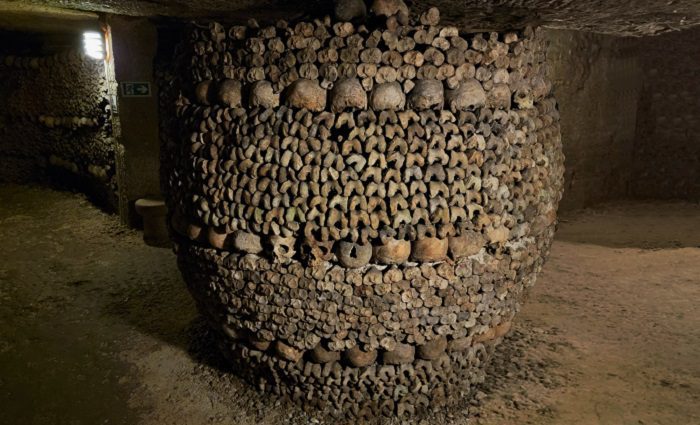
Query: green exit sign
x,y
136,89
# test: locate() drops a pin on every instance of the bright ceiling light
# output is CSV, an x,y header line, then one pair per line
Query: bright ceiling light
x,y
93,44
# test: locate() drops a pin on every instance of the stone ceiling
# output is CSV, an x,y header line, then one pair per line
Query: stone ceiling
x,y
620,17
33,18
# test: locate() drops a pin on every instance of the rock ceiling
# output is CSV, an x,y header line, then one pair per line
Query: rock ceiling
x,y
620,17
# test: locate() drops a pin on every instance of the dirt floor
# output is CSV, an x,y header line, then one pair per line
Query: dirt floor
x,y
97,328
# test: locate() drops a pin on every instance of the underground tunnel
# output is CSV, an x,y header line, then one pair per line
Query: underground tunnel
x,y
386,211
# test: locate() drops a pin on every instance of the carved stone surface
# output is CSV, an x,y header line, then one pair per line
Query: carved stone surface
x,y
369,248
641,17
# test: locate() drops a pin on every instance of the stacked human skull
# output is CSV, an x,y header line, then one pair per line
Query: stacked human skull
x,y
55,110
358,207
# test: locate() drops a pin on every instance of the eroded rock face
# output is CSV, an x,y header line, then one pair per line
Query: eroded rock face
x,y
642,17
353,240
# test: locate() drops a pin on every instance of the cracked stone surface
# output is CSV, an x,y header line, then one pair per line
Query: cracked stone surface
x,y
629,18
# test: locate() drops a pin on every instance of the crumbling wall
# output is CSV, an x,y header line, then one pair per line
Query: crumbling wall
x,y
597,82
359,209
667,149
54,120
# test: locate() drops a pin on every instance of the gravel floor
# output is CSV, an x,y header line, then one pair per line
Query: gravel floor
x,y
97,328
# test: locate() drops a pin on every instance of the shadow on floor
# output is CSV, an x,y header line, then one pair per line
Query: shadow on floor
x,y
163,309
203,346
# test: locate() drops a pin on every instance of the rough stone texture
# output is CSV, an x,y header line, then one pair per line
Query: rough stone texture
x,y
134,44
55,118
667,148
640,17
340,183
597,80
607,16
629,109
23,17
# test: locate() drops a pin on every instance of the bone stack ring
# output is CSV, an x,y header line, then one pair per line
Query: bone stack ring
x,y
358,208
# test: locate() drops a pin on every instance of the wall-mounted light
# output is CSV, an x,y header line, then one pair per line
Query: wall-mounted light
x,y
93,44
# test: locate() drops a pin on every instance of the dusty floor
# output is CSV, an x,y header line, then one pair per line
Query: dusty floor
x,y
97,328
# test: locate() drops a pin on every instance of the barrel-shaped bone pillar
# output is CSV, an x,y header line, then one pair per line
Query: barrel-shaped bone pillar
x,y
374,230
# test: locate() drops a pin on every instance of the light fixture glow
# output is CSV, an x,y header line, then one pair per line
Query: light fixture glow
x,y
93,44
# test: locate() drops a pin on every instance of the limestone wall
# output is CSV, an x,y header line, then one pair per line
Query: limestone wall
x,y
630,115
667,147
597,81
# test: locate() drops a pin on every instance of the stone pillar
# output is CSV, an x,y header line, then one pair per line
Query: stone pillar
x,y
134,42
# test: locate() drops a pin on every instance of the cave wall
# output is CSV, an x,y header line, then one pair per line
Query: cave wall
x,y
54,122
630,115
597,81
667,150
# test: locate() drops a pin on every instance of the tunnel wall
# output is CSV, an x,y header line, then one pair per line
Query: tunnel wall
x,y
667,150
135,43
54,123
597,81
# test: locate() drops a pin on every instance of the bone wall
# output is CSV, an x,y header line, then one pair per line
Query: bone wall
x,y
597,80
54,120
667,150
358,209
